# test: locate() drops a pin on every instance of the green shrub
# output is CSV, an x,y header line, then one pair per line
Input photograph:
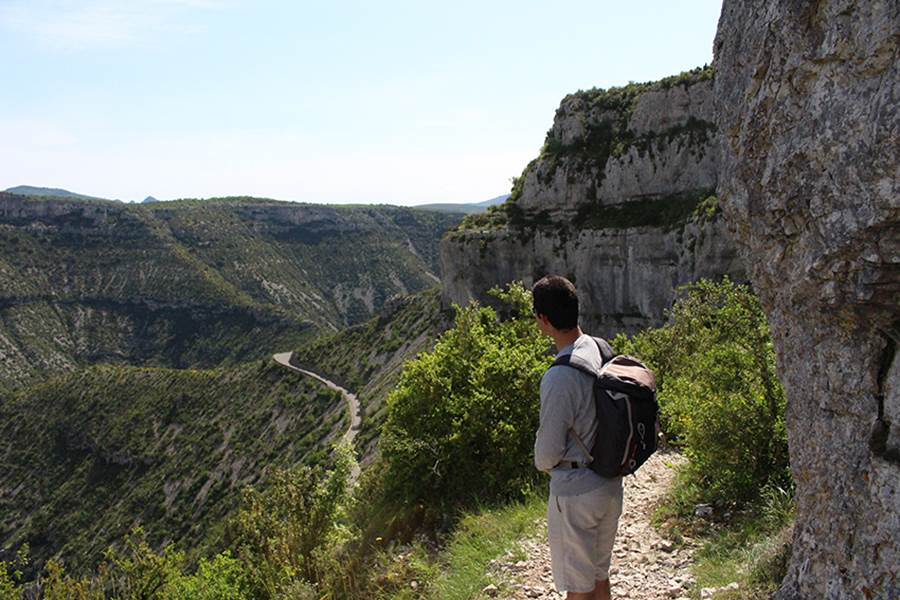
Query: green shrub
x,y
222,577
281,535
461,421
11,575
718,393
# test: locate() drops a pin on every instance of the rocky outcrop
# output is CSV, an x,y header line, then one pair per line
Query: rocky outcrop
x,y
808,96
620,200
609,147
626,278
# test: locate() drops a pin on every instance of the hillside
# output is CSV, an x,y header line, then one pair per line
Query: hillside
x,y
195,283
367,358
468,208
86,456
30,190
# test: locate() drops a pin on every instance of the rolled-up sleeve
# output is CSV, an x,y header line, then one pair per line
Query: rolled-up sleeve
x,y
557,416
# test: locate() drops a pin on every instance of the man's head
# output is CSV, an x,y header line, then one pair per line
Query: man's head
x,y
556,302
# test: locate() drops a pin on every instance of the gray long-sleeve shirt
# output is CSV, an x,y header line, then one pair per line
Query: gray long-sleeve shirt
x,y
567,402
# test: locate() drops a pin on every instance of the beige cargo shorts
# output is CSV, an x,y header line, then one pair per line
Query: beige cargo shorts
x,y
582,530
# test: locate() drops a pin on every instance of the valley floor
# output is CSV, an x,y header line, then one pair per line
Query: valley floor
x,y
645,565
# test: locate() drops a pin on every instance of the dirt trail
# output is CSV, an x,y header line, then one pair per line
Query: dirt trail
x,y
645,566
284,359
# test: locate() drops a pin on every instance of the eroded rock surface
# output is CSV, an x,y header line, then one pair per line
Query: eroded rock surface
x,y
807,96
620,200
626,278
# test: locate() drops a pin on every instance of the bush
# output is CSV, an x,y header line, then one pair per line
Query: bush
x,y
137,572
221,577
282,535
461,422
718,392
11,575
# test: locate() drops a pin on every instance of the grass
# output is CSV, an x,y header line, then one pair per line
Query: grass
x,y
751,547
746,553
479,538
457,567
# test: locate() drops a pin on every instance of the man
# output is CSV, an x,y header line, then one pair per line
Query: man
x,y
583,509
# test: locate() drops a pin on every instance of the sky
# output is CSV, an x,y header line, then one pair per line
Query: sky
x,y
332,101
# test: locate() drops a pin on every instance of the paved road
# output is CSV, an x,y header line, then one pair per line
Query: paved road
x,y
284,359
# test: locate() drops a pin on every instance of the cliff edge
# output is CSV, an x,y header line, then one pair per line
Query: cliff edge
x,y
620,200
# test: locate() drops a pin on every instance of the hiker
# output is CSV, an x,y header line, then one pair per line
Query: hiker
x,y
583,508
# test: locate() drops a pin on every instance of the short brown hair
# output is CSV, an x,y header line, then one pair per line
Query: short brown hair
x,y
555,298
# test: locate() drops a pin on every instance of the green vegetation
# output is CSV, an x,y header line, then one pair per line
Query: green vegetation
x,y
719,395
722,403
707,208
666,212
88,455
453,487
294,541
285,537
752,550
195,283
367,358
480,537
461,421
281,535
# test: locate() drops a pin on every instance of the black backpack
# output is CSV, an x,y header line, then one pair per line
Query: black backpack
x,y
627,413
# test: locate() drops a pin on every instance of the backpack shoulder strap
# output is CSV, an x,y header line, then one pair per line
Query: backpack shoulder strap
x,y
606,355
606,351
564,361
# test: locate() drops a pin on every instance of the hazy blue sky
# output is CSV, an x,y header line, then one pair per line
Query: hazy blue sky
x,y
340,101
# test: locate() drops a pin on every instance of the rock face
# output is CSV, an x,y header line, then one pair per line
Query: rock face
x,y
626,278
613,202
609,148
808,96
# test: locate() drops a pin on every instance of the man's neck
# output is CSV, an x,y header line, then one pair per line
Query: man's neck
x,y
564,338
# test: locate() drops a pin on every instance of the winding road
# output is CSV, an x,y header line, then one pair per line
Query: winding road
x,y
284,359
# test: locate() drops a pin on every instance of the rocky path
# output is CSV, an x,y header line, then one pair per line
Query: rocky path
x,y
284,359
645,565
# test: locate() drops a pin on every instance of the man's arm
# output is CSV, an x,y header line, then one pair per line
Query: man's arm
x,y
557,416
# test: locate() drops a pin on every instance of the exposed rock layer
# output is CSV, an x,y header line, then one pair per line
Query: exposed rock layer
x,y
194,283
808,96
610,202
626,278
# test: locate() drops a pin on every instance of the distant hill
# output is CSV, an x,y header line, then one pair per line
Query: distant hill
x,y
493,201
148,200
464,208
29,190
195,283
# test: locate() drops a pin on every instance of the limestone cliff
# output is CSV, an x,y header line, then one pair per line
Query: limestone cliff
x,y
808,96
620,200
